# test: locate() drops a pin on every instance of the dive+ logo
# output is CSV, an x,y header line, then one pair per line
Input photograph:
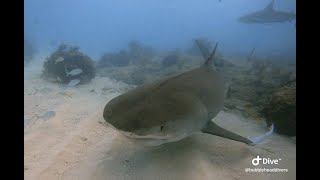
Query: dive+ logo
x,y
256,161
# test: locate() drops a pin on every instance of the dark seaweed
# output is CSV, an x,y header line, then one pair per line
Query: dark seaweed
x,y
73,59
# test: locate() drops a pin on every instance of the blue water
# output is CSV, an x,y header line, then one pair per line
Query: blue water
x,y
99,26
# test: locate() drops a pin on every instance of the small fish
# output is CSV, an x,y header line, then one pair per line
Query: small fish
x,y
74,72
73,82
59,60
46,116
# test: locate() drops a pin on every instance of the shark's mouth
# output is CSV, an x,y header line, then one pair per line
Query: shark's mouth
x,y
150,137
151,140
133,135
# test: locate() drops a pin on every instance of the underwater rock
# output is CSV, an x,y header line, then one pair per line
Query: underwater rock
x,y
170,60
133,74
114,59
282,110
139,52
221,64
68,63
253,84
127,74
244,95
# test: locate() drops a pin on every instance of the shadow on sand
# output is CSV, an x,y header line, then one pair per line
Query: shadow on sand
x,y
189,158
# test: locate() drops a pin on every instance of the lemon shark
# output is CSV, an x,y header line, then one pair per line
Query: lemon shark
x,y
173,108
267,15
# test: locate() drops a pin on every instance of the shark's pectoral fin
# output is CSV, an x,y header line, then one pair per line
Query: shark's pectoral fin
x,y
260,139
214,129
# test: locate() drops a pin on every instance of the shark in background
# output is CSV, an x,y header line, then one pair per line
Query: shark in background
x,y
268,15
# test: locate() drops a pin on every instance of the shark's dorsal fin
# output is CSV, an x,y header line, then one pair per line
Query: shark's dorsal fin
x,y
209,61
269,7
204,50
206,54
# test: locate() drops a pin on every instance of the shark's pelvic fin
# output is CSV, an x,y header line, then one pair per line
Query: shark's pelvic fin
x,y
212,128
269,7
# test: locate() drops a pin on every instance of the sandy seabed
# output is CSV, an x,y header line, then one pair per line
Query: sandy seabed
x,y
77,144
